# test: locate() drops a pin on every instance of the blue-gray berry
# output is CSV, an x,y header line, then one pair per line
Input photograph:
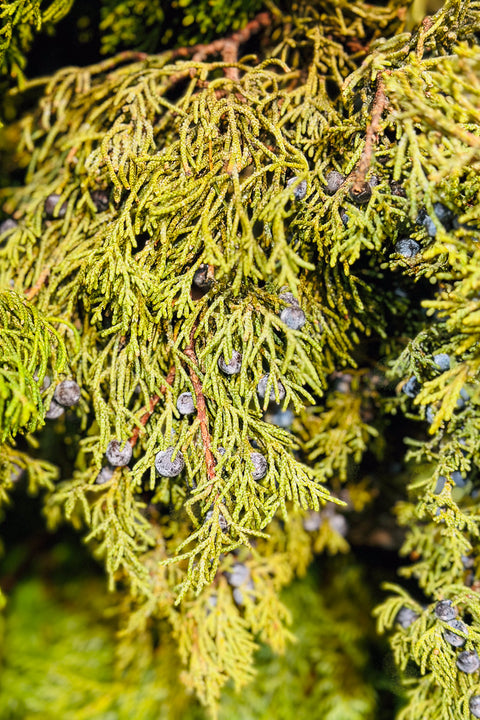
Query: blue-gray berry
x,y
260,465
442,361
459,480
451,637
300,189
467,562
166,467
445,611
464,396
313,521
344,218
185,404
67,393
293,317
51,204
412,387
474,705
289,297
6,225
334,180
105,474
117,454
468,661
239,575
262,388
430,414
221,520
440,484
54,411
407,247
281,418
233,366
405,617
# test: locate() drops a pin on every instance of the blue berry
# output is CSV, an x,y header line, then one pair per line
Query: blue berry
x,y
334,180
239,575
451,637
412,387
118,455
221,520
458,479
468,661
430,414
300,189
293,317
407,247
440,485
464,396
467,562
233,366
313,521
54,411
442,361
166,467
344,217
474,705
185,404
289,298
444,610
260,465
405,617
281,418
262,388
6,225
444,215
105,474
67,393
51,204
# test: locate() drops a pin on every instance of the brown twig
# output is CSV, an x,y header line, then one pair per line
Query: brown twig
x,y
149,410
201,408
380,102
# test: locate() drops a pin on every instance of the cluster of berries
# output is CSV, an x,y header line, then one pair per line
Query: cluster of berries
x,y
468,660
67,394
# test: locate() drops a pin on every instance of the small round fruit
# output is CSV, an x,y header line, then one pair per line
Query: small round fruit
x,y
67,393
412,387
185,404
293,317
289,298
165,466
312,522
54,411
468,661
117,454
105,474
260,465
442,361
233,366
201,278
474,705
361,195
238,575
6,225
451,637
300,189
262,388
405,617
445,611
221,520
334,180
51,204
407,247
100,200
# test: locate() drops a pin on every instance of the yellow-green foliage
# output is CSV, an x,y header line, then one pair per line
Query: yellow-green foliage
x,y
162,165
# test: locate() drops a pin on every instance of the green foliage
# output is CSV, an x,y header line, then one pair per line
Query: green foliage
x,y
148,24
20,20
164,166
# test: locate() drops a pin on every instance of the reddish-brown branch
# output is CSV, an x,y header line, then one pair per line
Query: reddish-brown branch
x,y
201,409
149,410
379,104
